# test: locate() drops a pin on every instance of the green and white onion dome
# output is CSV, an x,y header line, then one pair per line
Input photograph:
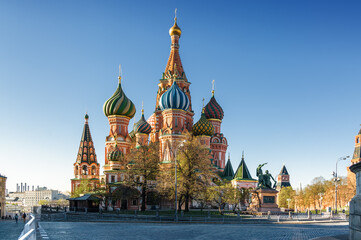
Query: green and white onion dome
x,y
115,154
119,104
142,126
203,127
174,98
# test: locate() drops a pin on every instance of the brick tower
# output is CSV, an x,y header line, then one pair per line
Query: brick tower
x,y
283,179
86,166
119,109
214,113
173,116
356,158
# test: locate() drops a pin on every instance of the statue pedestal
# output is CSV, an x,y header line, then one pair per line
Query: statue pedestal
x,y
264,200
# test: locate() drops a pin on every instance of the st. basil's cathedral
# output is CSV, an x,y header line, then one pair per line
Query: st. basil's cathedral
x,y
171,120
168,125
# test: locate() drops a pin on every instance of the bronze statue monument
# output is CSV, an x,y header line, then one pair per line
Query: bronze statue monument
x,y
264,180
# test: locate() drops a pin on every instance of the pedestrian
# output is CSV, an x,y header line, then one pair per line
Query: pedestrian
x,y
16,218
24,217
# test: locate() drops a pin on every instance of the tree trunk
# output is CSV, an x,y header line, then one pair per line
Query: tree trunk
x,y
143,197
180,203
186,202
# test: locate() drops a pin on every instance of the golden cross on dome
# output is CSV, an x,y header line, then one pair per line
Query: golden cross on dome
x,y
203,101
142,107
175,15
120,73
212,88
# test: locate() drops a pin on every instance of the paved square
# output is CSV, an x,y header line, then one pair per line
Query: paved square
x,y
143,231
10,230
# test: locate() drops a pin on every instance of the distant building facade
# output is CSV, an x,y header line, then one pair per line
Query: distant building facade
x,y
2,195
32,198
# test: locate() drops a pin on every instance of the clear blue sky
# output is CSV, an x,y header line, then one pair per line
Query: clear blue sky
x,y
287,76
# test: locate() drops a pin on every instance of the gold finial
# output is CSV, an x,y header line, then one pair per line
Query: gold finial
x,y
120,73
203,105
175,30
229,155
142,108
242,154
212,88
175,16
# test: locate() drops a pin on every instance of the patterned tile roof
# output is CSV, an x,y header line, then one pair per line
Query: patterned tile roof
x,y
142,126
242,172
203,126
228,172
86,151
119,104
213,110
174,98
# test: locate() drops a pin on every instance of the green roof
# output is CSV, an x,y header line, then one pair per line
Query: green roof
x,y
242,172
228,172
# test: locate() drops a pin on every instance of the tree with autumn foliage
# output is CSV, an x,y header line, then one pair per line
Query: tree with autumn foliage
x,y
194,172
83,188
193,169
285,194
143,168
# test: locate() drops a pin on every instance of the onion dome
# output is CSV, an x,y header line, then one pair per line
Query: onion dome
x,y
119,104
175,30
115,154
174,98
213,109
142,126
86,116
203,126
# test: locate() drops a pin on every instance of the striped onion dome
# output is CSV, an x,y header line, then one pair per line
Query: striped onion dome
x,y
114,154
142,126
203,126
119,104
174,98
213,110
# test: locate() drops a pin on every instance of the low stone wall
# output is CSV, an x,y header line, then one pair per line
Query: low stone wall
x,y
355,205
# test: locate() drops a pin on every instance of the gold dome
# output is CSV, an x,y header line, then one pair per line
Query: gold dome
x,y
175,30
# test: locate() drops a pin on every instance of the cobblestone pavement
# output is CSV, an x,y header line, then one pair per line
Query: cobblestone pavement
x,y
142,231
10,230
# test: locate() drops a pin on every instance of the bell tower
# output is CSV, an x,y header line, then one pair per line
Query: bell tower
x,y
173,75
86,166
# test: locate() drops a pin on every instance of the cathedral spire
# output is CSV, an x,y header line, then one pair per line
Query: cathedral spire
x,y
228,172
174,65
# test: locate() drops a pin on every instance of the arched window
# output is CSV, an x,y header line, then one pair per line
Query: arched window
x,y
76,170
94,170
85,170
357,140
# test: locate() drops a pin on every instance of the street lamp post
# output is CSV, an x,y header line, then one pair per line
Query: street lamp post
x,y
337,179
288,201
175,181
321,197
